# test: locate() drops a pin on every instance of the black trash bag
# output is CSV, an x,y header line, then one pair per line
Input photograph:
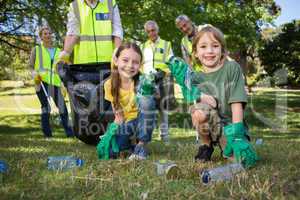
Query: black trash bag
x,y
166,98
90,112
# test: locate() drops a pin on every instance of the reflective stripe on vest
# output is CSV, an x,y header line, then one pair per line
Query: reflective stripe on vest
x,y
44,66
96,40
160,53
189,47
187,44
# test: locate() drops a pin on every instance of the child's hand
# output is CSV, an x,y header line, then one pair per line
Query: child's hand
x,y
210,100
238,145
119,118
197,118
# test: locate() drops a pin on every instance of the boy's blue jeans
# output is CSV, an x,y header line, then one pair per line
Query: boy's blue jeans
x,y
142,126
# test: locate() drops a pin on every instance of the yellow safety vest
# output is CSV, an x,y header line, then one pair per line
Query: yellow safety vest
x,y
187,44
96,40
44,65
161,53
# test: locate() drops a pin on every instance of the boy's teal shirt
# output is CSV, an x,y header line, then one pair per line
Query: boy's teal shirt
x,y
227,85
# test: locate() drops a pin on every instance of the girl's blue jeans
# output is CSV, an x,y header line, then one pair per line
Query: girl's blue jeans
x,y
142,127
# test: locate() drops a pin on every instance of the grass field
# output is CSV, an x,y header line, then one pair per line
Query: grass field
x,y
273,115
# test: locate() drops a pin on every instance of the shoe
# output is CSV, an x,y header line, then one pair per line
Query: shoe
x,y
139,153
47,138
204,153
70,136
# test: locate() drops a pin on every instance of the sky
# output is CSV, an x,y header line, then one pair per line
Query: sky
x,y
290,9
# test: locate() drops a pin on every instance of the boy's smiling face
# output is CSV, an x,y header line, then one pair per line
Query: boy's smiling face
x,y
209,51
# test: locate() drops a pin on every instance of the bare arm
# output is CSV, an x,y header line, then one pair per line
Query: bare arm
x,y
119,117
237,112
117,41
70,42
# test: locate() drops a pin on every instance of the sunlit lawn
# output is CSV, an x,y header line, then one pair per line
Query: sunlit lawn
x,y
277,175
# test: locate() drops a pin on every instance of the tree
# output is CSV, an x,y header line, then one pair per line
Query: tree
x,y
22,17
240,20
283,52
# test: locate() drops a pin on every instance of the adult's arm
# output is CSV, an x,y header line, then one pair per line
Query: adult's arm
x,y
117,27
70,42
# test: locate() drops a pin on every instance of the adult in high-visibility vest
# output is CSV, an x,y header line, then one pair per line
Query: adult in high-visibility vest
x,y
47,81
156,52
94,30
189,29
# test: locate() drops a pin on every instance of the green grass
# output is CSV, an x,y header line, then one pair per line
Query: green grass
x,y
276,176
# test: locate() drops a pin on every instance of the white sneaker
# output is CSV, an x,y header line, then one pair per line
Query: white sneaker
x,y
136,157
139,153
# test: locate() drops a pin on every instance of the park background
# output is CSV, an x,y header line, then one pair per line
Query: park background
x,y
263,36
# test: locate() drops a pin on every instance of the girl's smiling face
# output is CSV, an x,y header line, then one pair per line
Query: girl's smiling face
x,y
128,62
209,51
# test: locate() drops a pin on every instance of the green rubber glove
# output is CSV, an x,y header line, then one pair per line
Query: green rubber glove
x,y
108,140
179,70
238,145
146,85
190,95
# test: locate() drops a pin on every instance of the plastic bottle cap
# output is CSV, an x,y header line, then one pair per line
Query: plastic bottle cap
x,y
163,161
259,141
3,166
79,162
205,177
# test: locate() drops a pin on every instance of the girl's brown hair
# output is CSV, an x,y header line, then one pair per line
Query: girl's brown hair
x,y
217,34
115,76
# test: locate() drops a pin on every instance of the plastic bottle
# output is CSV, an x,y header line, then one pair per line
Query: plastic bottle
x,y
223,173
63,162
259,142
168,168
3,169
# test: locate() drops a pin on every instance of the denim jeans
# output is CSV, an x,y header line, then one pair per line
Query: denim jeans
x,y
55,93
165,102
142,126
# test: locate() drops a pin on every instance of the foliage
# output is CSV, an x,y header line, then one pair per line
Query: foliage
x,y
19,21
22,17
282,52
13,63
239,20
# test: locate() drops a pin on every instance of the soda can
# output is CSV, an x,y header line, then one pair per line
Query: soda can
x,y
167,168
